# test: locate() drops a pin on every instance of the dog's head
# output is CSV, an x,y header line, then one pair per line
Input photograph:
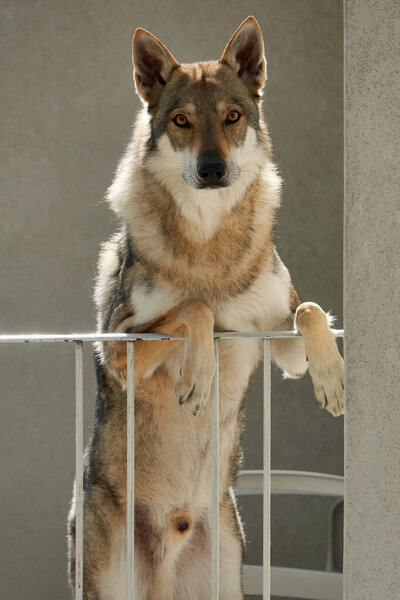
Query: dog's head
x,y
205,117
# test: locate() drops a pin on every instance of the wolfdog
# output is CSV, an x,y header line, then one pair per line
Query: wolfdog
x,y
196,193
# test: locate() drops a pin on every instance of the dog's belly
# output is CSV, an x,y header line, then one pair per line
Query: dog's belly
x,y
173,447
173,457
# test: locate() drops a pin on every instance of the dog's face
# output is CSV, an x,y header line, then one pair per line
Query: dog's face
x,y
205,117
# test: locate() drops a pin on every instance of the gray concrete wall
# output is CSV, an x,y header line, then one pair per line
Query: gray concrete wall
x,y
372,299
66,112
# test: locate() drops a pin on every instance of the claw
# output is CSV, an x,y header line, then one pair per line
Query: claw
x,y
183,399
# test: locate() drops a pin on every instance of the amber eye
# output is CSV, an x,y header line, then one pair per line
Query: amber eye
x,y
181,121
233,116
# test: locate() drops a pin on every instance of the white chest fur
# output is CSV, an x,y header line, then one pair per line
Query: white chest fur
x,y
264,306
152,303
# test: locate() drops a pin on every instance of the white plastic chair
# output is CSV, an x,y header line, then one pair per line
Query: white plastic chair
x,y
288,582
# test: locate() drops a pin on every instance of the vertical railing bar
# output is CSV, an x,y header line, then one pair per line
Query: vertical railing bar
x,y
267,470
130,474
215,480
78,470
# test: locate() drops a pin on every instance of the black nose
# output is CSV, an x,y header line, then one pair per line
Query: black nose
x,y
211,169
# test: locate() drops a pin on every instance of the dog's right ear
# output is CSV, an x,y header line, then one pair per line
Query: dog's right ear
x,y
152,65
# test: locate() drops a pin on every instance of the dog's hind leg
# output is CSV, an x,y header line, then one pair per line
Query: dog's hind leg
x,y
231,545
193,571
101,555
193,568
90,576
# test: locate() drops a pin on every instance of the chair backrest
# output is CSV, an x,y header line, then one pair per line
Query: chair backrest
x,y
285,582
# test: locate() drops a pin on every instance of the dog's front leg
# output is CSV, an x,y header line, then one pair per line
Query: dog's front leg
x,y
198,365
193,321
325,364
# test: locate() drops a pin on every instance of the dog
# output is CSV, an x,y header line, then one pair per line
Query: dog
x,y
196,193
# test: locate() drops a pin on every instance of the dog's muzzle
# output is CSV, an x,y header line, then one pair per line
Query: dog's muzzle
x,y
211,171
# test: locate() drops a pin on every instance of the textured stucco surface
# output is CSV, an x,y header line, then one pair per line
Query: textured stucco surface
x,y
372,299
67,107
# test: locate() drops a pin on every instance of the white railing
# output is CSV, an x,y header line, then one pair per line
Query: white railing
x,y
248,481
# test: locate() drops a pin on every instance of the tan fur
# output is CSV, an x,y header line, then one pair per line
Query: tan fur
x,y
190,258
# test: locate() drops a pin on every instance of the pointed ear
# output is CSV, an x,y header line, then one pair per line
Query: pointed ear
x,y
152,65
244,53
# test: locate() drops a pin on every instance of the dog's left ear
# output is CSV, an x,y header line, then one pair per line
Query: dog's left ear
x,y
244,53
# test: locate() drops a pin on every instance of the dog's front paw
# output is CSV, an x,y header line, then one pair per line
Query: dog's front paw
x,y
193,387
327,378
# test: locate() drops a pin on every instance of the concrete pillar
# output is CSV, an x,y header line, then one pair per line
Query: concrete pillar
x,y
372,300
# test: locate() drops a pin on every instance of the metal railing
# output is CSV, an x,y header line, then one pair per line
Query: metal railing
x,y
78,339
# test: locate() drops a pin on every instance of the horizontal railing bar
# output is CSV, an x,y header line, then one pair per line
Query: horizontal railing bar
x,y
114,337
84,337
266,334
